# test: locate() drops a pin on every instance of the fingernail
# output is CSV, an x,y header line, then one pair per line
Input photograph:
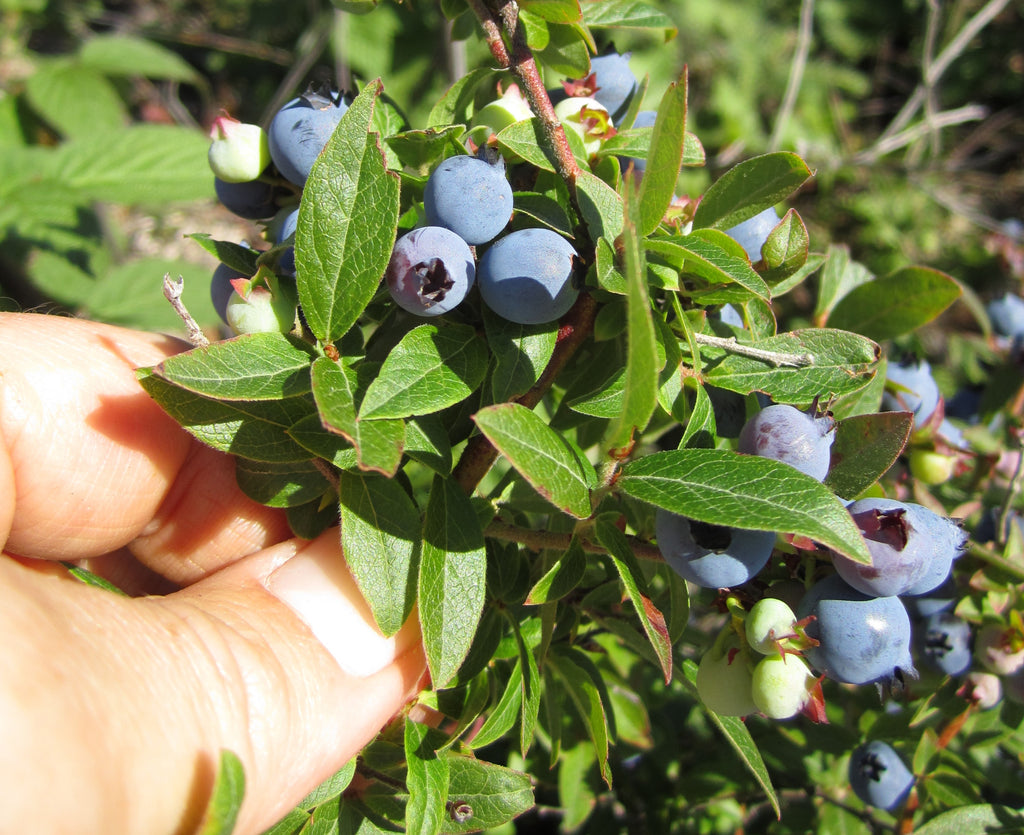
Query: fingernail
x,y
317,586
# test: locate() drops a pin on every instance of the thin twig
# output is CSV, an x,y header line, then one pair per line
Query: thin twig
x,y
967,113
796,72
172,292
541,540
775,358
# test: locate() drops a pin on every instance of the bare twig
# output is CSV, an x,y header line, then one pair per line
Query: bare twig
x,y
172,292
967,113
775,358
538,540
796,72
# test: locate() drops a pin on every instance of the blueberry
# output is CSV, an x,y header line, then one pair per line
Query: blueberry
x,y
254,200
731,316
1007,314
861,638
878,776
470,196
753,232
430,271
284,232
784,433
711,556
945,643
221,289
940,599
913,389
912,548
527,276
299,132
615,83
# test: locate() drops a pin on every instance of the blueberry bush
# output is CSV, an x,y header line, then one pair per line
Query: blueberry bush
x,y
696,539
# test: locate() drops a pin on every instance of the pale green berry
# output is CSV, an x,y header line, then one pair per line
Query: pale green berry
x,y
239,152
570,113
255,309
506,110
769,621
724,679
781,685
931,467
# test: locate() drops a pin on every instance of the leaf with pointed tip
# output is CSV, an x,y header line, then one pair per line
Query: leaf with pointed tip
x,y
658,186
380,535
722,487
226,798
238,257
601,206
452,579
431,368
426,780
347,223
256,366
864,449
749,188
627,14
540,454
564,576
521,353
587,691
491,795
280,485
337,389
453,106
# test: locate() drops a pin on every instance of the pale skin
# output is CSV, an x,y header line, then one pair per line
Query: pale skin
x,y
113,709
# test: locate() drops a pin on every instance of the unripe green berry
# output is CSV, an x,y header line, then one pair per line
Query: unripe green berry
x,y
769,621
781,685
506,110
256,307
587,117
239,152
724,679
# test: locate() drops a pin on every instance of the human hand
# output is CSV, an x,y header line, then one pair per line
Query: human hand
x,y
114,709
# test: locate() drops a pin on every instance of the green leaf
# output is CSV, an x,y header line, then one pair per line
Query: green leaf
x,y
642,366
76,100
544,209
226,798
722,487
749,188
454,105
452,579
979,819
427,780
347,223
521,353
601,206
701,429
311,434
627,14
711,256
420,148
525,139
895,305
128,55
380,535
433,367
426,441
290,824
555,11
280,485
84,575
337,390
540,454
238,257
843,363
250,429
502,717
738,736
585,687
632,577
576,792
530,683
864,449
489,795
258,366
785,250
567,50
839,276
564,576
658,185
330,788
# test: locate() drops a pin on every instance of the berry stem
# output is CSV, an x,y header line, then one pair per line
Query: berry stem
x,y
173,288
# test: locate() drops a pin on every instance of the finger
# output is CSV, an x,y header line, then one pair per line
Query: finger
x,y
90,458
275,658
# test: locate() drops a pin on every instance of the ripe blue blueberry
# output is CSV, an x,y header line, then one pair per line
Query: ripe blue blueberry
x,y
470,196
284,233
254,200
912,548
615,83
861,638
711,556
300,130
527,276
878,776
753,232
784,433
221,289
945,643
1007,314
912,389
430,271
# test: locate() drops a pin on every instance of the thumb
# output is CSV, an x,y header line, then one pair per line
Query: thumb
x,y
125,704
